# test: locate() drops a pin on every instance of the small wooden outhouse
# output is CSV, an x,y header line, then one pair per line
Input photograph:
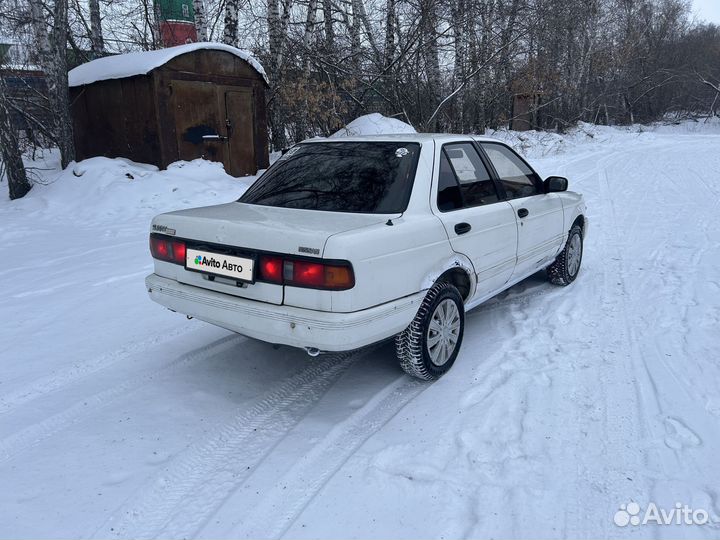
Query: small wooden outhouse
x,y
180,103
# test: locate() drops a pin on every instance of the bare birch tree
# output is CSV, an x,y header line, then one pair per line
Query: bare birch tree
x,y
52,55
230,32
200,20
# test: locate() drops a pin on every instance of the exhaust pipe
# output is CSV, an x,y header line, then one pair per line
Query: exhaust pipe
x,y
312,351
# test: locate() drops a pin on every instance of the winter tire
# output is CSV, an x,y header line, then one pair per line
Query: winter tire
x,y
428,347
567,265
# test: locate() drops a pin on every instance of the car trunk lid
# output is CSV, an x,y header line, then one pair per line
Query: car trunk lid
x,y
245,230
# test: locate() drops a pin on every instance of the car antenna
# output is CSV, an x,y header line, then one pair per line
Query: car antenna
x,y
389,222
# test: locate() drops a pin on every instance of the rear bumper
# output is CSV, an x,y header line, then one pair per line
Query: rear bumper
x,y
286,325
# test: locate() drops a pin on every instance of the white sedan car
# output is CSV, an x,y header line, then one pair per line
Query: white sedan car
x,y
341,244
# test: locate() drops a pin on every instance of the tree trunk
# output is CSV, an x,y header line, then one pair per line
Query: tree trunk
x,y
274,34
60,95
389,68
201,20
283,28
328,24
96,37
14,169
505,38
40,31
431,58
230,34
53,59
459,23
355,37
307,37
277,116
362,13
390,33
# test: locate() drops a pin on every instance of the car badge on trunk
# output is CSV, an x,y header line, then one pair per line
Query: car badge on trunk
x,y
163,229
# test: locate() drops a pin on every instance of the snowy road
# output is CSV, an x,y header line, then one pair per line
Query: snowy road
x,y
118,418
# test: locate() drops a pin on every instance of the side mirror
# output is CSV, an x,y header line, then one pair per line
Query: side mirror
x,y
553,184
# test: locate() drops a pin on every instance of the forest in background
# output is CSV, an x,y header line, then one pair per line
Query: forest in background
x,y
440,65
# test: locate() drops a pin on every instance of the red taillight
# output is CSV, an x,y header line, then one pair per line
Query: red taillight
x,y
271,269
166,249
159,248
304,273
178,251
307,274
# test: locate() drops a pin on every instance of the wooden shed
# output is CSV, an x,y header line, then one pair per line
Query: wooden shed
x,y
180,103
524,111
526,99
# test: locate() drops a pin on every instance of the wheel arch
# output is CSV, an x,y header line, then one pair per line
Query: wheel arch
x,y
460,279
580,222
459,272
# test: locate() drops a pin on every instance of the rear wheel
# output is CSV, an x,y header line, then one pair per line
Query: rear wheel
x,y
429,346
567,265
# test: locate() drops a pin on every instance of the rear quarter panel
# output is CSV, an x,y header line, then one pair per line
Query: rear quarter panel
x,y
393,261
389,261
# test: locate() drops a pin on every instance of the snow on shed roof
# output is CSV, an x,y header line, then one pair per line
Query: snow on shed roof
x,y
143,62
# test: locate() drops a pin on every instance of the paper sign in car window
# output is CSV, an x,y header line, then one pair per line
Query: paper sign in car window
x,y
463,166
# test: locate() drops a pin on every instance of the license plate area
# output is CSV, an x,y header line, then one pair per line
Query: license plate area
x,y
233,267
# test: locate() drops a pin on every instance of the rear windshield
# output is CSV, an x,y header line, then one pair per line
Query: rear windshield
x,y
363,177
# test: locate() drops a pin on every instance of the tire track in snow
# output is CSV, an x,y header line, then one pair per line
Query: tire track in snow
x,y
32,435
610,371
44,385
647,403
668,420
304,481
671,446
196,483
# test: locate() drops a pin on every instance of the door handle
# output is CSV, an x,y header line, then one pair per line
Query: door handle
x,y
462,228
214,137
523,212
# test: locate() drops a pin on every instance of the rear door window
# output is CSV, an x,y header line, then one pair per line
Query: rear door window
x,y
462,163
449,197
362,177
518,179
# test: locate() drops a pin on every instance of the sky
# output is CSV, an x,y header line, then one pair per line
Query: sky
x,y
708,10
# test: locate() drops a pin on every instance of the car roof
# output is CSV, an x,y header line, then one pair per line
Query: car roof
x,y
403,137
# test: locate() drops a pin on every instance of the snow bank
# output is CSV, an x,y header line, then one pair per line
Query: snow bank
x,y
140,63
373,124
98,189
703,126
540,144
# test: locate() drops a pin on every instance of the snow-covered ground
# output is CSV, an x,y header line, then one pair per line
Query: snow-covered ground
x,y
121,419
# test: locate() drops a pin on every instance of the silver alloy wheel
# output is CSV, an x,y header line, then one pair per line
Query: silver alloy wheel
x,y
443,332
574,254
